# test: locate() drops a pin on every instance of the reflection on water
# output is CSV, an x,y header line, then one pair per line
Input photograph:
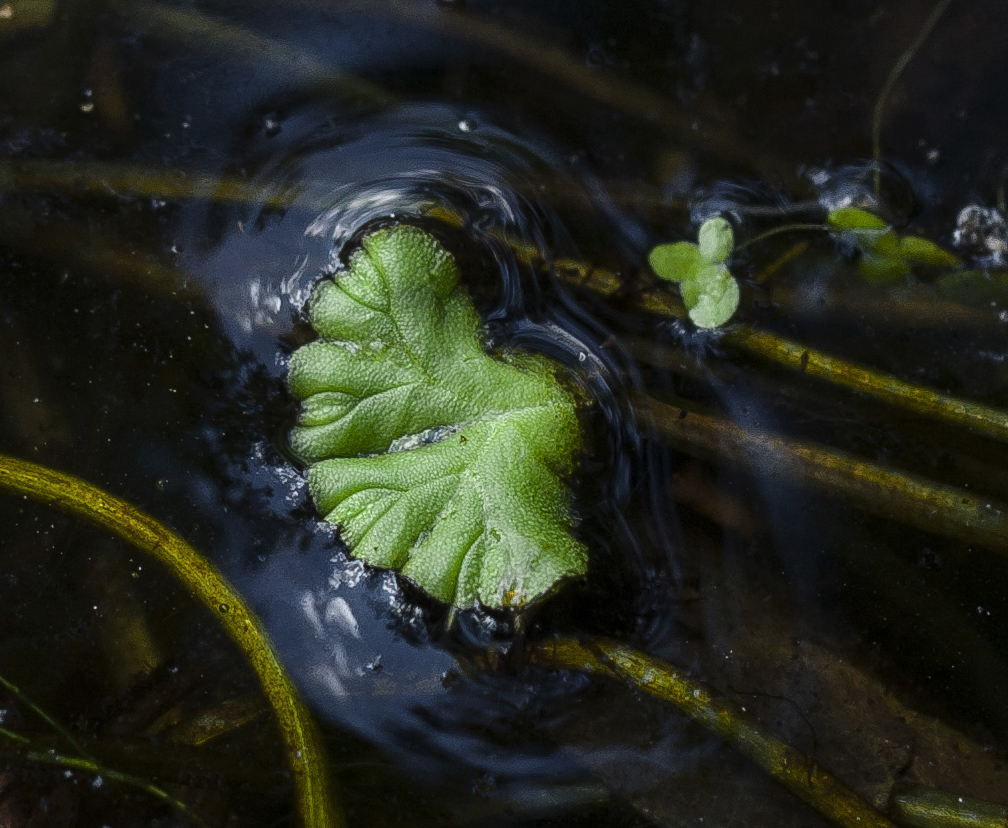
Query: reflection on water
x,y
174,182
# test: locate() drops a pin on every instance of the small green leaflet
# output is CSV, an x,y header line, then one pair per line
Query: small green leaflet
x,y
886,256
709,291
435,458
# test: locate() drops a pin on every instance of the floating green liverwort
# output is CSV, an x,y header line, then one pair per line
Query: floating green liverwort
x,y
435,458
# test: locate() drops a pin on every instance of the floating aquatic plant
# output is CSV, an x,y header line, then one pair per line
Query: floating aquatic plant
x,y
709,291
886,256
435,458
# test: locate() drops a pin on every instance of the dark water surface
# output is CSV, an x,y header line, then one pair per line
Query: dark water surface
x,y
174,178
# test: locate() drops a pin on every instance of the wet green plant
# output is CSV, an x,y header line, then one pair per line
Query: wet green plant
x,y
317,804
885,255
434,458
709,290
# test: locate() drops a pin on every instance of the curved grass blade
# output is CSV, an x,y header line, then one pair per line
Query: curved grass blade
x,y
316,800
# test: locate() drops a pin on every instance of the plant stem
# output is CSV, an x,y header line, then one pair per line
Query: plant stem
x,y
46,757
14,737
926,808
784,228
782,261
890,494
917,307
88,247
979,419
894,74
29,14
45,717
96,178
827,794
219,35
305,753
50,757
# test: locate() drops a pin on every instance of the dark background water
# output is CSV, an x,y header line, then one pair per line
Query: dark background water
x,y
145,335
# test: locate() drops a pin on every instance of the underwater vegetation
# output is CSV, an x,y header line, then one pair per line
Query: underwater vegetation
x,y
502,413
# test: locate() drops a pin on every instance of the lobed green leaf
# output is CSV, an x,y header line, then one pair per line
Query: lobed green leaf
x,y
434,458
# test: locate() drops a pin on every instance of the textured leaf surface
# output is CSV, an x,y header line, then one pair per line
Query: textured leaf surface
x,y
435,458
715,240
717,297
676,262
709,291
853,218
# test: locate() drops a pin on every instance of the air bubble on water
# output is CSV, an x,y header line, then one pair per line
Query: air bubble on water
x,y
349,574
290,479
984,228
467,125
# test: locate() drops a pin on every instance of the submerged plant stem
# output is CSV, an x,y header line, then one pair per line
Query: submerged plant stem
x,y
16,691
926,808
784,228
305,753
979,419
891,494
99,179
49,757
222,36
88,247
887,87
794,770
